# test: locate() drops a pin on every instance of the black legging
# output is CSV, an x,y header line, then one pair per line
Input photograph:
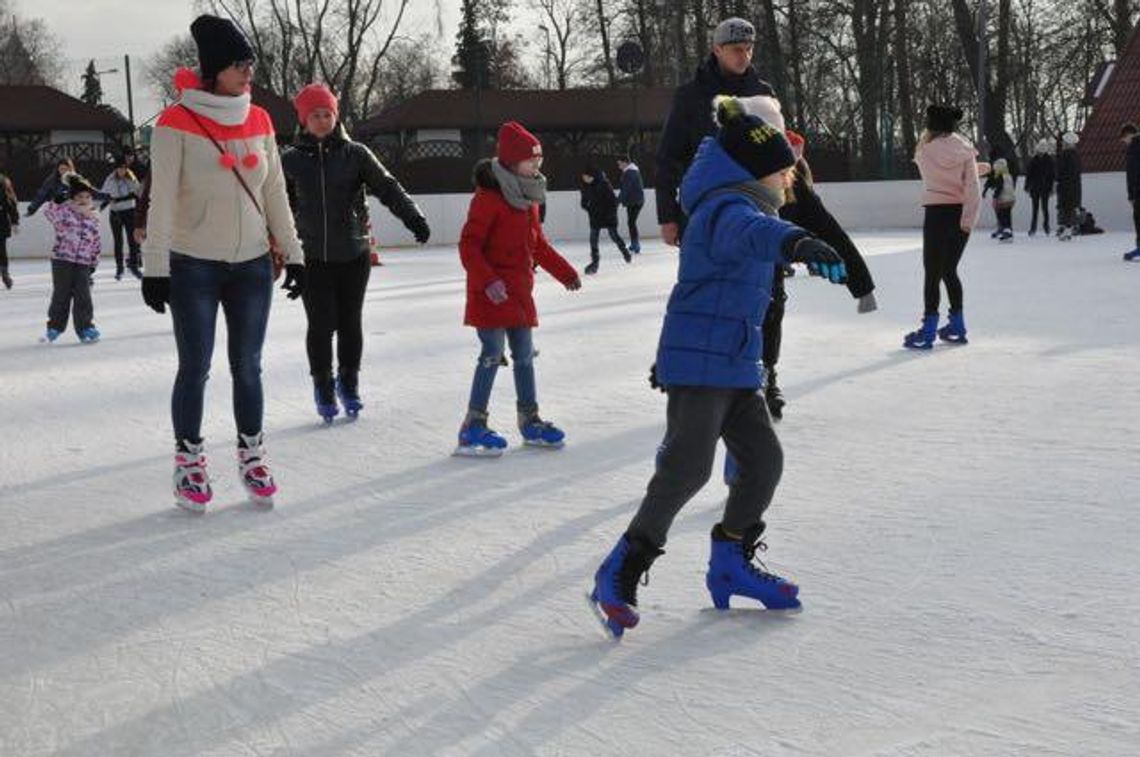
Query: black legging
x,y
943,243
774,321
4,250
1136,220
334,299
123,224
1039,201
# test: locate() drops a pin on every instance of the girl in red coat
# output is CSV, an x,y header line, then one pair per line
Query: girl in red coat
x,y
501,244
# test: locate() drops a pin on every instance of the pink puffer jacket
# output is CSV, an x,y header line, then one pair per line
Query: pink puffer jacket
x,y
950,175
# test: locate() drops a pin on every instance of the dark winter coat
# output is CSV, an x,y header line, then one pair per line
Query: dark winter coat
x,y
1069,178
599,202
51,187
9,215
1041,175
631,189
691,120
1132,169
499,241
809,213
713,330
326,180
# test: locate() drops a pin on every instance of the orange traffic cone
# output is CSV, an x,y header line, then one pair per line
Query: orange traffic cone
x,y
375,252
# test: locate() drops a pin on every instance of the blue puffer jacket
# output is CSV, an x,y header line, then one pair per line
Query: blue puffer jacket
x,y
712,332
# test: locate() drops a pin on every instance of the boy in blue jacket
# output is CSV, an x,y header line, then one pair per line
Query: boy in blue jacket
x,y
709,364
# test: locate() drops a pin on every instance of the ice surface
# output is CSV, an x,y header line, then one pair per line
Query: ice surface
x,y
963,524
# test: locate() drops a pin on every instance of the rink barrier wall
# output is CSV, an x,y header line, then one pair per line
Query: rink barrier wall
x,y
866,205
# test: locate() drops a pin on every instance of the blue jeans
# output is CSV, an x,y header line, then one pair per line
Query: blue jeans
x,y
244,290
522,358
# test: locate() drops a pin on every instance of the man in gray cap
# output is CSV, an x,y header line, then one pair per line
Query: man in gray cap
x,y
728,71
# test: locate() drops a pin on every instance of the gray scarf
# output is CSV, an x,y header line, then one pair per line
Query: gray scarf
x,y
770,200
519,191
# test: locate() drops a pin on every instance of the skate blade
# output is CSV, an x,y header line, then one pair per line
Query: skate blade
x,y
610,630
261,503
730,612
195,508
477,452
540,444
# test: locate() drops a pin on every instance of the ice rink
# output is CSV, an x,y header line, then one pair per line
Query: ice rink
x,y
964,525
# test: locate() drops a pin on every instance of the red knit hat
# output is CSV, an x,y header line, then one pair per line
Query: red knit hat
x,y
797,142
516,144
312,97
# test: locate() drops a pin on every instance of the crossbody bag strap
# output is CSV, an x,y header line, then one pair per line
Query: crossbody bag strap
x,y
222,151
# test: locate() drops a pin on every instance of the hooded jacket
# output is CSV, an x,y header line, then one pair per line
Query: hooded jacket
x,y
501,242
950,176
327,180
631,189
599,202
691,120
713,330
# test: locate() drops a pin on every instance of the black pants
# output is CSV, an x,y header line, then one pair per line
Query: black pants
x,y
631,214
1004,217
70,295
1067,209
334,300
1136,220
774,321
1039,201
943,243
123,223
697,418
613,232
3,252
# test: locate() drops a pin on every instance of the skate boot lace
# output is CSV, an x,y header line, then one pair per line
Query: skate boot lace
x,y
191,471
755,565
627,581
251,466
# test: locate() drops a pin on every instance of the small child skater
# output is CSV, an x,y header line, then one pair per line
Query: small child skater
x,y
600,204
75,219
501,244
1004,187
708,361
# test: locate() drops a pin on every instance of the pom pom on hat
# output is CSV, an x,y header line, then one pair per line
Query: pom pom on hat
x,y
185,78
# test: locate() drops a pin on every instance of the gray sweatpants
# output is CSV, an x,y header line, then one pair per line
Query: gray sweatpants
x,y
70,292
697,418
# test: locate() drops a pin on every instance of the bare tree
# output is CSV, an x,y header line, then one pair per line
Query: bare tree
x,y
29,52
560,20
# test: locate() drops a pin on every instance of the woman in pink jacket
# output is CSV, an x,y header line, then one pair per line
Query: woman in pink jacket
x,y
952,199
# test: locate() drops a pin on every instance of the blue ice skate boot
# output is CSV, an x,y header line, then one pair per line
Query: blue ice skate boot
x,y
347,390
955,329
635,247
477,440
539,433
50,335
324,395
1130,256
733,572
923,338
89,335
614,597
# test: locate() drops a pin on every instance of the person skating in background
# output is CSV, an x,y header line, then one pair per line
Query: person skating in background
x,y
631,195
951,198
327,175
75,220
1068,186
52,185
217,194
9,225
1039,180
1004,187
600,204
708,362
1128,135
500,246
727,71
123,189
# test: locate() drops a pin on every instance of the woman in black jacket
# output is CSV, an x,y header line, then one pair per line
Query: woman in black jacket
x,y
600,203
1039,179
327,175
9,224
1068,187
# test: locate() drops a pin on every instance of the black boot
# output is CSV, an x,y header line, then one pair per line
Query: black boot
x,y
773,396
324,394
348,390
5,277
592,267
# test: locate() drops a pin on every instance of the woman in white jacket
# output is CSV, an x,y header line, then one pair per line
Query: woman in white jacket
x,y
217,194
123,190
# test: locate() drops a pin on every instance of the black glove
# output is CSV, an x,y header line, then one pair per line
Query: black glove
x,y
419,228
156,292
653,382
821,259
294,280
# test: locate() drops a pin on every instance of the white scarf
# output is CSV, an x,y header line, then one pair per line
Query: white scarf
x,y
221,109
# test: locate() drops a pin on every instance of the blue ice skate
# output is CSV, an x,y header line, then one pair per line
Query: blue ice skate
x,y
50,335
614,598
325,398
1130,256
732,572
539,433
89,335
955,329
349,395
477,440
923,338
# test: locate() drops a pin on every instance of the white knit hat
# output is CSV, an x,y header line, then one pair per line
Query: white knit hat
x,y
765,107
1070,138
1044,147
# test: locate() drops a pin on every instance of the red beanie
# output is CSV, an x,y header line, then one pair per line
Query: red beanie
x,y
797,142
516,144
312,97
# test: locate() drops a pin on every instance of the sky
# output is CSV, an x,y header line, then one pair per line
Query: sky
x,y
106,30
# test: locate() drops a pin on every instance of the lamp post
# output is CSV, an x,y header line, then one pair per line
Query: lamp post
x,y
983,76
